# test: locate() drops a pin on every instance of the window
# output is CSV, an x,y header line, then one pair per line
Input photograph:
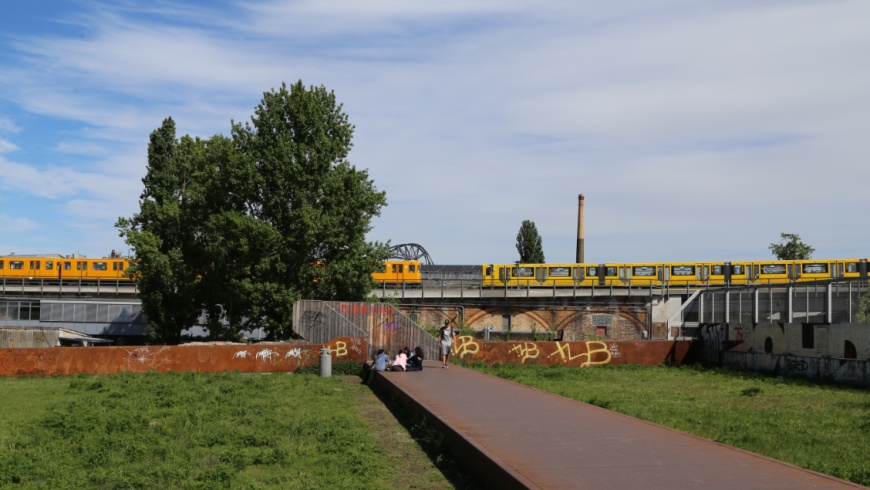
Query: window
x,y
736,270
412,268
16,264
773,268
117,266
1,264
611,271
101,266
643,270
49,265
81,266
487,273
560,272
67,266
689,270
815,268
850,267
35,265
525,272
505,322
592,271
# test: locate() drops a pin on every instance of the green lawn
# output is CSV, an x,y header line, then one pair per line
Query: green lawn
x,y
195,430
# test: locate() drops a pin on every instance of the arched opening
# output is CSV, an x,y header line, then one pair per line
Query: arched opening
x,y
849,351
768,345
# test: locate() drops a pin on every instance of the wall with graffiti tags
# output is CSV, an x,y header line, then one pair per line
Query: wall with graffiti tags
x,y
576,354
255,358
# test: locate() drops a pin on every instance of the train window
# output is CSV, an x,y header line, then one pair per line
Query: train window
x,y
67,266
16,264
488,271
49,265
34,265
736,270
1,264
101,266
397,268
643,270
773,268
684,270
592,271
611,271
81,266
411,268
850,267
815,268
117,266
717,270
525,272
560,272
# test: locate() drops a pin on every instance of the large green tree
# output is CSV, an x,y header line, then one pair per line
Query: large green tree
x,y
529,244
791,248
246,225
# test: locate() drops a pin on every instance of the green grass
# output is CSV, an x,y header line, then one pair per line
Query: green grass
x,y
190,430
825,428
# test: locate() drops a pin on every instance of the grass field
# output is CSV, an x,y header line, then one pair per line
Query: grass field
x,y
233,430
194,430
825,428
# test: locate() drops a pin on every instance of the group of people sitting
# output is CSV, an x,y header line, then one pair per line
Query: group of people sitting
x,y
404,361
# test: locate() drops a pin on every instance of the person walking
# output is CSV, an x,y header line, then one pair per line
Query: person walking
x,y
447,334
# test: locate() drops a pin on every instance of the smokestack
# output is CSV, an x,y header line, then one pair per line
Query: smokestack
x,y
581,234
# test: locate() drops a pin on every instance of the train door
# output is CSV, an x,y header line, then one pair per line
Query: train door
x,y
541,275
664,274
504,274
579,274
35,268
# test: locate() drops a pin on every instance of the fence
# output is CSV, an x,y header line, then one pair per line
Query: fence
x,y
382,325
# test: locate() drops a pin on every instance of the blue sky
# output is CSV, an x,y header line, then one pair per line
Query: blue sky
x,y
695,130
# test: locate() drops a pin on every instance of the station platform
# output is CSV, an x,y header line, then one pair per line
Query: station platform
x,y
512,436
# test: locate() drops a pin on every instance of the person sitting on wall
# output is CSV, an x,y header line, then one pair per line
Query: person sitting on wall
x,y
382,363
400,361
415,362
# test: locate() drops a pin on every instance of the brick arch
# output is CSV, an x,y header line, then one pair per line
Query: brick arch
x,y
627,327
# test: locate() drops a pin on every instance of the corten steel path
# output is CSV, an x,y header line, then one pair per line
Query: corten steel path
x,y
513,436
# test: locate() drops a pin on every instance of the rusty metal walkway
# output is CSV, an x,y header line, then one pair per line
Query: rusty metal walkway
x,y
513,436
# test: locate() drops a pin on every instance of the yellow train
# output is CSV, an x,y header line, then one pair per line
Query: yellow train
x,y
412,272
671,273
61,267
70,268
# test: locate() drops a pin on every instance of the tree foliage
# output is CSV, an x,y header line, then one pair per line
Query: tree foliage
x,y
238,228
791,248
529,244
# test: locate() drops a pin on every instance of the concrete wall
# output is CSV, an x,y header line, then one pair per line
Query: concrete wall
x,y
255,358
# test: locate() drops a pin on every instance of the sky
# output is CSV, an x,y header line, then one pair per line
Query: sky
x,y
695,130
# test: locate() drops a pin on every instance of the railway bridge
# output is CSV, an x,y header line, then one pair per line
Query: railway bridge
x,y
113,309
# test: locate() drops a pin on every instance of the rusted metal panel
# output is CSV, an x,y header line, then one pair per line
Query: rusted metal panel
x,y
254,358
575,354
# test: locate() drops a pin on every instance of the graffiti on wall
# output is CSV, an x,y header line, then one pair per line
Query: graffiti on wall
x,y
596,353
714,336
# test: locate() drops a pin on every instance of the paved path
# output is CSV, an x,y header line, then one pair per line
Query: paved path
x,y
514,436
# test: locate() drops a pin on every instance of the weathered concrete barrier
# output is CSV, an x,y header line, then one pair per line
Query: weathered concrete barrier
x,y
253,358
577,354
